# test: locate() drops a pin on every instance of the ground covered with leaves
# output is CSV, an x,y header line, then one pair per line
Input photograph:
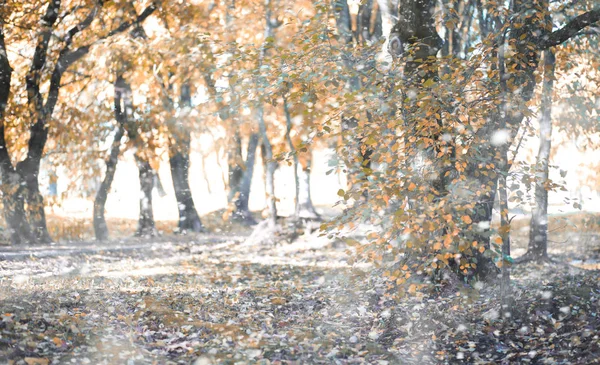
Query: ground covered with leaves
x,y
222,299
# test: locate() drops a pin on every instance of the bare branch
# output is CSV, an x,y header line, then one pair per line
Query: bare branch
x,y
39,58
83,25
68,57
570,30
140,19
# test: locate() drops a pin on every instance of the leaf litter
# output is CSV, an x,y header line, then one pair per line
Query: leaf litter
x,y
230,302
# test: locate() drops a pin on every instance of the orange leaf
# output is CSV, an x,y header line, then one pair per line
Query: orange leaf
x,y
447,240
36,361
466,219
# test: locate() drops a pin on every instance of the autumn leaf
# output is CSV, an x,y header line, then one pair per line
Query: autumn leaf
x,y
278,301
36,361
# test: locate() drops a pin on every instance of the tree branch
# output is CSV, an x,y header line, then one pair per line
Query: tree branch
x,y
570,30
591,31
67,57
83,25
140,19
64,61
34,75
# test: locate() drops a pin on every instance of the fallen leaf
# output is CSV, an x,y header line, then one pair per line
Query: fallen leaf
x,y
36,361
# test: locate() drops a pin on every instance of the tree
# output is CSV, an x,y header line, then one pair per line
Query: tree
x,y
23,185
99,221
270,25
179,150
446,147
538,234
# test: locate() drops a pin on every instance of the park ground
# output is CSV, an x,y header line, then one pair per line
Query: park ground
x,y
219,298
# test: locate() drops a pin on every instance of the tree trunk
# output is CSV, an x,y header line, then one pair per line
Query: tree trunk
x,y
189,220
270,25
121,104
270,170
12,184
517,72
29,170
242,211
100,226
14,211
288,137
305,205
357,156
505,235
235,164
538,233
146,225
264,159
416,28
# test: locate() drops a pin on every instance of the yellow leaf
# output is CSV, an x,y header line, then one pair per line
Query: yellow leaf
x,y
447,241
412,288
36,361
428,83
481,249
278,301
504,229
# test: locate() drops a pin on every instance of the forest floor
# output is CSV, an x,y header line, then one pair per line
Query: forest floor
x,y
218,298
